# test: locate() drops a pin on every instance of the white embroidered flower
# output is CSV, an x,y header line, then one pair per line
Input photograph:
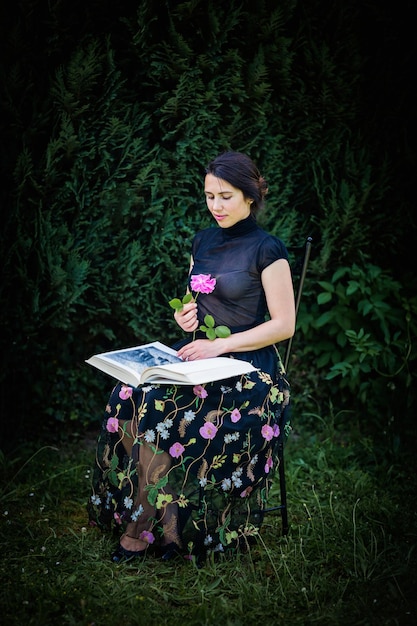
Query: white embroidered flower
x,y
225,389
228,438
238,386
203,481
208,540
136,514
226,484
96,500
189,416
160,427
128,502
168,423
164,434
149,436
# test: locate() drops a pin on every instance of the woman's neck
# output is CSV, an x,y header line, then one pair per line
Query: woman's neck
x,y
242,227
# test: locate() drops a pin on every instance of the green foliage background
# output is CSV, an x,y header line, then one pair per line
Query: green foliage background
x,y
110,112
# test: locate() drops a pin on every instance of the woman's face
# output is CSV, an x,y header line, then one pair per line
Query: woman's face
x,y
225,202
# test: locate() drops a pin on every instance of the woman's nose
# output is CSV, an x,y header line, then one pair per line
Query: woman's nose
x,y
217,203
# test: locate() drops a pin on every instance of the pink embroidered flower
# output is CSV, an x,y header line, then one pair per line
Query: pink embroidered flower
x,y
117,518
147,536
199,391
268,465
208,431
276,430
125,392
202,283
235,416
267,432
246,492
176,449
112,425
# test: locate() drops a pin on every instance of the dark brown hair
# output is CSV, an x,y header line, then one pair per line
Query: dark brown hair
x,y
240,171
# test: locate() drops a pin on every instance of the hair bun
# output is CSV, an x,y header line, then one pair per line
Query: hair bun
x,y
263,187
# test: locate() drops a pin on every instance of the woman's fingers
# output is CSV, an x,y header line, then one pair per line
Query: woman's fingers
x,y
187,317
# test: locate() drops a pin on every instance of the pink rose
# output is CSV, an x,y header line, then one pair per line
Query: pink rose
x,y
112,425
203,283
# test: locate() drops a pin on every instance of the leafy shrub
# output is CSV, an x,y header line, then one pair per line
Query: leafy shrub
x,y
361,335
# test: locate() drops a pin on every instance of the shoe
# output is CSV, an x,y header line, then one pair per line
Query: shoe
x,y
170,551
121,555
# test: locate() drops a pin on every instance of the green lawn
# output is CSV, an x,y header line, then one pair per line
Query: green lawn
x,y
349,557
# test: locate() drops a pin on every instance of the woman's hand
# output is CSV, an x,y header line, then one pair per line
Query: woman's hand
x,y
201,349
187,317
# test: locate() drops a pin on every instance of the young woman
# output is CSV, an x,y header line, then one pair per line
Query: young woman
x,y
183,462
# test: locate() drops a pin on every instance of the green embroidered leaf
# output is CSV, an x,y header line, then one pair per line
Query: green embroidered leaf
x,y
152,495
231,536
219,460
113,478
273,394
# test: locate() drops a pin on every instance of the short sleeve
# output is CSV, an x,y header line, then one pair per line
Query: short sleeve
x,y
269,251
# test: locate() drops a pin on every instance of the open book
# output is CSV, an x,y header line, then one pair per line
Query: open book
x,y
156,363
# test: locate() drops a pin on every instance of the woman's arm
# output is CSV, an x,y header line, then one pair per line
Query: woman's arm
x,y
279,292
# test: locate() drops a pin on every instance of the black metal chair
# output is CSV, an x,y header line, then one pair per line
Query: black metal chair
x,y
299,272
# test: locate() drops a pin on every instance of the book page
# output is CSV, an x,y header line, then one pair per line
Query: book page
x,y
198,372
139,358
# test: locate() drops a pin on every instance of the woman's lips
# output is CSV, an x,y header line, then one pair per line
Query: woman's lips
x,y
219,218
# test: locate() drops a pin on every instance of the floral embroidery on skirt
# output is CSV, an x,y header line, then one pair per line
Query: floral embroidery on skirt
x,y
211,449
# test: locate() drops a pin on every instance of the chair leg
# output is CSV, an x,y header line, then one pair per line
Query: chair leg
x,y
283,489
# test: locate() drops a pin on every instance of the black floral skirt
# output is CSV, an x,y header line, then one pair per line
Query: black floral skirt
x,y
220,438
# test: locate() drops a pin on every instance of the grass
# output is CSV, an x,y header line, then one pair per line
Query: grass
x,y
349,557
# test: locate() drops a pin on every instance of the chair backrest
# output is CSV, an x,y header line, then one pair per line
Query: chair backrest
x,y
299,291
